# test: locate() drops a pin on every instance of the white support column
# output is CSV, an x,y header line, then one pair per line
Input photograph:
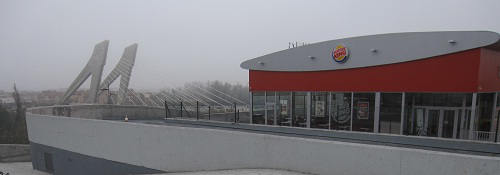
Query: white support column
x,y
402,114
308,109
472,122
352,109
376,119
251,107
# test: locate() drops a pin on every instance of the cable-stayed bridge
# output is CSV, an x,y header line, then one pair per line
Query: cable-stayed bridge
x,y
199,97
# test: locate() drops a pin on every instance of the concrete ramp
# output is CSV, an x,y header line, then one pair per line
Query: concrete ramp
x,y
179,149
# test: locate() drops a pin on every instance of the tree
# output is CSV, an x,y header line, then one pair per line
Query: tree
x,y
14,131
19,105
5,122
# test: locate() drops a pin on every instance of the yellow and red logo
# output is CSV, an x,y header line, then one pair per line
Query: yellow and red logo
x,y
340,53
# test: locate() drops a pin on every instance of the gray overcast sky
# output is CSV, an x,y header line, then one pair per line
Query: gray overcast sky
x,y
45,44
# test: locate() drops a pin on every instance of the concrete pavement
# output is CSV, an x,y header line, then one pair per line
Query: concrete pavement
x,y
25,168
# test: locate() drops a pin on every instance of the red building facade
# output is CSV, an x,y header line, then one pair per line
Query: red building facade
x,y
435,84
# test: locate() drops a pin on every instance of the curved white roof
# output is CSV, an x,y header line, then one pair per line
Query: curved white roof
x,y
374,50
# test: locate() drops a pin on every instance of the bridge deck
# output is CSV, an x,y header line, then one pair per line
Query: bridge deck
x,y
433,144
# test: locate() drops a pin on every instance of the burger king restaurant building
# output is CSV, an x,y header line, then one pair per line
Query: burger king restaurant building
x,y
429,84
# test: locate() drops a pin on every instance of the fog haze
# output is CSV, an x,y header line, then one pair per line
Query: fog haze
x,y
45,44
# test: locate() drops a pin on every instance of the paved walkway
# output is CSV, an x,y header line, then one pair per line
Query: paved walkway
x,y
15,168
239,172
25,168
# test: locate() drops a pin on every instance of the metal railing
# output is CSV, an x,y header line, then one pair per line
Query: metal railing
x,y
203,112
482,136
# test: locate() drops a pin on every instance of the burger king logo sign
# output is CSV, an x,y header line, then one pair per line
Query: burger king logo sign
x,y
340,53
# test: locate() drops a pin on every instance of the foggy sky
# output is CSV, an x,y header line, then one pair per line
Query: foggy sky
x,y
45,44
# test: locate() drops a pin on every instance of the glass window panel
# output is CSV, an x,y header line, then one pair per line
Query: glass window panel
x,y
270,97
258,100
341,111
448,123
319,110
284,109
390,113
270,107
409,124
439,99
431,130
270,113
299,109
497,110
484,111
363,114
457,99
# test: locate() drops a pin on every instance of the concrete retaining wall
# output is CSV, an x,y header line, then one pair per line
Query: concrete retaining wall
x,y
15,153
70,163
174,149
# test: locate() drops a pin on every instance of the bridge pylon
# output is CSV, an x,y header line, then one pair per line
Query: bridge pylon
x,y
124,70
94,67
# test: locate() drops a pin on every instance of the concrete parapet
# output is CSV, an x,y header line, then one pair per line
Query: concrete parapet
x,y
15,153
93,111
105,111
175,149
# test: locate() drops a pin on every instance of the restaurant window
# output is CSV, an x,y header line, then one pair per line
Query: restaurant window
x,y
390,113
408,123
319,110
364,110
271,108
497,109
284,105
484,111
258,100
340,111
299,109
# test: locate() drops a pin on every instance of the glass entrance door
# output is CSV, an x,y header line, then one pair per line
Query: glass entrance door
x,y
432,122
449,124
441,122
